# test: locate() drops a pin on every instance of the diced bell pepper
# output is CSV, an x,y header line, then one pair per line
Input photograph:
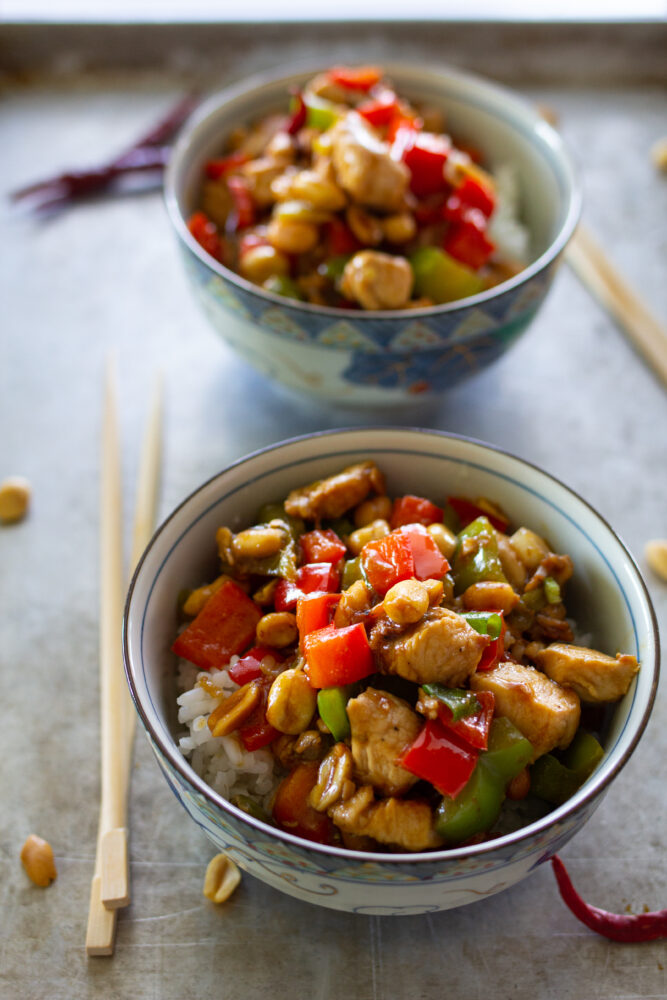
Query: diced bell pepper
x,y
249,668
206,234
441,278
467,511
314,612
440,758
224,627
309,578
429,562
281,284
481,562
411,509
362,78
467,241
322,545
335,657
292,810
331,704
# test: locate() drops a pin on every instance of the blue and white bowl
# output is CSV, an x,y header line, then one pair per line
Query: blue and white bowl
x,y
384,358
607,596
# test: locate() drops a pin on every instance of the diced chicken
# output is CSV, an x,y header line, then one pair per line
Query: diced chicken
x,y
441,648
377,280
404,823
333,496
546,714
383,727
364,167
594,676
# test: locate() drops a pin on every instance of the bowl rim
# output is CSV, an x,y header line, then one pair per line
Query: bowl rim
x,y
550,141
585,796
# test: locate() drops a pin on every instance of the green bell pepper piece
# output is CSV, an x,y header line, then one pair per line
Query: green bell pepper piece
x,y
320,114
331,704
477,807
341,525
460,702
481,564
270,511
441,278
557,780
251,807
333,267
280,284
583,754
352,572
552,590
485,622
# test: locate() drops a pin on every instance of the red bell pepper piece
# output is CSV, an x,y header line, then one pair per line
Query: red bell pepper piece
x,y
321,545
215,169
387,561
206,234
414,510
429,562
292,810
225,626
425,155
495,651
401,120
355,77
441,758
257,731
244,205
309,578
381,110
340,239
248,668
299,114
314,612
470,193
467,511
429,212
474,729
338,656
467,240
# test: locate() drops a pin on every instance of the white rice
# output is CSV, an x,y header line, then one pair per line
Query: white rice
x,y
511,238
222,761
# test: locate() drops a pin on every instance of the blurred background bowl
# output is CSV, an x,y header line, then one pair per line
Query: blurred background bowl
x,y
384,358
606,596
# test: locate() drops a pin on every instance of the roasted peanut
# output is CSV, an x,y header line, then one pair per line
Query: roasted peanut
x,y
216,202
292,236
277,629
258,543
353,603
366,227
369,533
291,703
435,590
260,174
374,509
197,598
399,228
406,602
14,499
221,879
659,154
519,786
529,547
445,539
264,596
233,711
262,262
334,779
37,859
513,568
490,595
281,147
319,191
656,556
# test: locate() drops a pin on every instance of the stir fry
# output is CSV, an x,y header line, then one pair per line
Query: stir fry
x,y
409,665
354,198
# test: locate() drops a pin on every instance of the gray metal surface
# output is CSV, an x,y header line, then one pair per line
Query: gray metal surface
x,y
572,396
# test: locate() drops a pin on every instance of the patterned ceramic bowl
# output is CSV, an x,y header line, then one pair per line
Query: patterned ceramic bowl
x,y
384,358
607,595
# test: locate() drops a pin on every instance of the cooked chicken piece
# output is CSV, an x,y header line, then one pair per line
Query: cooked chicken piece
x,y
383,727
404,823
333,496
377,280
594,676
441,648
546,714
364,167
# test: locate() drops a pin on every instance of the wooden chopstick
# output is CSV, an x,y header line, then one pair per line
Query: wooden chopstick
x,y
110,884
596,272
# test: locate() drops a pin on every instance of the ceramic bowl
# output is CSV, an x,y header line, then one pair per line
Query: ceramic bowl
x,y
364,358
606,595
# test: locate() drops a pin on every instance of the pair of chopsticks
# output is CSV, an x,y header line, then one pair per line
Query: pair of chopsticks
x,y
595,271
110,888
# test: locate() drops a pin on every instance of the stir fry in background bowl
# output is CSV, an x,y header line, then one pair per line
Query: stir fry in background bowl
x,y
383,673
358,198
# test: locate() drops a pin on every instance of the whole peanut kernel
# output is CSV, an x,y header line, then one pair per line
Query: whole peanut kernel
x,y
37,859
221,879
14,499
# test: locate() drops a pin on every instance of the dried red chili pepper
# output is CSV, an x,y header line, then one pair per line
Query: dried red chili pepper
x,y
625,927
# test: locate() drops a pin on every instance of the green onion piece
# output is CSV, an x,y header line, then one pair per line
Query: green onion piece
x,y
331,704
461,703
552,590
485,622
